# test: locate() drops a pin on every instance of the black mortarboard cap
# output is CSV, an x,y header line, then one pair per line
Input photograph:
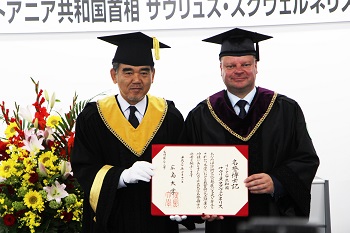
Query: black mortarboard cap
x,y
134,48
238,42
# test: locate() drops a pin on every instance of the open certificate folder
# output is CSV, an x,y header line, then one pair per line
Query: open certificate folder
x,y
192,180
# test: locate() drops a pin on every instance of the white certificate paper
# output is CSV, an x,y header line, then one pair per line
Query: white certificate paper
x,y
196,180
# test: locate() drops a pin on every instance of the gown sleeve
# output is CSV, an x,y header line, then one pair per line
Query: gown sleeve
x,y
298,168
98,180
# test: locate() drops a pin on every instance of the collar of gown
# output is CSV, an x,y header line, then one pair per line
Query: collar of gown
x,y
221,109
136,140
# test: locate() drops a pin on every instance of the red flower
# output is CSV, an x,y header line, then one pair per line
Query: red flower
x,y
70,183
5,112
70,144
50,144
41,115
34,177
3,154
9,220
10,190
7,188
20,213
17,139
67,216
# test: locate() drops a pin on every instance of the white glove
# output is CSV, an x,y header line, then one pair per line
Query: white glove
x,y
178,218
140,170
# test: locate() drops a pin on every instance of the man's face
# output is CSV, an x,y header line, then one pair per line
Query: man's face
x,y
239,74
134,82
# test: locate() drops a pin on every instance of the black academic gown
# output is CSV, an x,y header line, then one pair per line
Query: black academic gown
x,y
279,144
124,210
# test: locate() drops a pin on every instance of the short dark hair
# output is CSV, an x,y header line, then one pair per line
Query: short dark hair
x,y
115,66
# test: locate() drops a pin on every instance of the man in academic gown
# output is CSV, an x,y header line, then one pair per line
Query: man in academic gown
x,y
282,160
112,150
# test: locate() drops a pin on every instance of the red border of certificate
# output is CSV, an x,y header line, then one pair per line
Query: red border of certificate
x,y
156,150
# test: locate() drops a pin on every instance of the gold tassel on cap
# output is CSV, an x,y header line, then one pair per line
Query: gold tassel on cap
x,y
156,48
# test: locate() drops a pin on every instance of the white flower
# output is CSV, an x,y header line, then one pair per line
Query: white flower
x,y
26,113
33,144
42,170
46,95
56,192
66,169
48,134
53,100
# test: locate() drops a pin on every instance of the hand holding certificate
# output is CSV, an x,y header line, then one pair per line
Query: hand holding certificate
x,y
192,180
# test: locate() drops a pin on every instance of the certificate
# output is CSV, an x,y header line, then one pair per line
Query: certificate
x,y
196,180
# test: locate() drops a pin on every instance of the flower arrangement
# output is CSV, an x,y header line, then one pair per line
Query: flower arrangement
x,y
38,192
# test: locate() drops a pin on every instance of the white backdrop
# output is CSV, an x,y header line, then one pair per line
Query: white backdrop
x,y
305,62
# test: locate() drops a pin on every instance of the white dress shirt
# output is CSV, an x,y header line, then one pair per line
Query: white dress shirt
x,y
234,99
140,106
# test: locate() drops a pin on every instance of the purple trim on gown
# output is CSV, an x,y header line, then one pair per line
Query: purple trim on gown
x,y
224,110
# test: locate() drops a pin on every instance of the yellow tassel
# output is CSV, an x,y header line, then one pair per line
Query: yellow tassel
x,y
156,48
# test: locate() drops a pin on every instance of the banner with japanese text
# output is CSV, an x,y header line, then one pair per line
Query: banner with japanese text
x,y
40,16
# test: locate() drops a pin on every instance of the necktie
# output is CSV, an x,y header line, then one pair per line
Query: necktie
x,y
241,104
132,118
